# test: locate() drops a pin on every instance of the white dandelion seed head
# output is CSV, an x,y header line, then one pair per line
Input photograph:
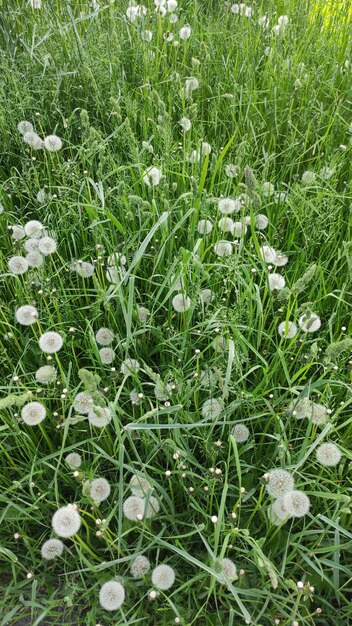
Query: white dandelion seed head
x,y
140,566
191,84
73,459
240,432
185,124
296,503
173,18
47,245
232,170
185,32
99,416
171,5
112,593
34,228
52,549
83,403
18,265
268,254
268,189
309,322
99,489
287,329
46,374
261,221
163,577
33,140
117,258
26,315
206,295
104,336
319,413
140,486
42,196
17,232
152,176
211,408
147,35
66,521
35,4
279,482
181,302
220,344
152,508
107,355
33,413
134,397
328,454
239,229
83,269
229,569
133,508
276,282
225,224
143,314
31,245
34,259
327,172
308,177
204,227
283,20
205,148
24,127
223,248
50,342
129,367
207,379
52,143
277,513
280,259
227,206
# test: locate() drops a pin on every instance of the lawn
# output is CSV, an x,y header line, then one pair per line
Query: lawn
x,y
175,314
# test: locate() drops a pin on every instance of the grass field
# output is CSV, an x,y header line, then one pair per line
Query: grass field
x,y
175,330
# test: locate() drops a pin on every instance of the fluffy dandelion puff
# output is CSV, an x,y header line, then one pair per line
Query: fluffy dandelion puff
x,y
228,568
31,245
24,127
308,177
191,84
17,232
206,296
287,329
107,355
46,374
134,508
226,224
231,170
211,408
50,342
171,5
268,189
116,258
140,566
104,336
279,482
163,577
33,140
328,454
47,245
83,268
26,315
181,302
143,314
111,595
34,228
34,259
219,344
134,397
99,416
268,254
185,124
280,259
277,513
227,206
83,403
33,413
140,486
52,143
185,32
276,282
309,323
99,489
296,503
240,432
18,265
152,177
204,227
66,521
152,508
261,221
52,549
73,459
239,229
319,413
130,366
223,248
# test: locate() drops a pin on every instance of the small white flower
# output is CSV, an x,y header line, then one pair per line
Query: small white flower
x,y
152,176
52,549
18,265
104,336
52,143
185,124
66,521
129,366
112,593
33,413
107,355
204,227
287,329
163,577
328,454
26,315
181,303
50,342
309,322
47,245
185,32
223,248
276,282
